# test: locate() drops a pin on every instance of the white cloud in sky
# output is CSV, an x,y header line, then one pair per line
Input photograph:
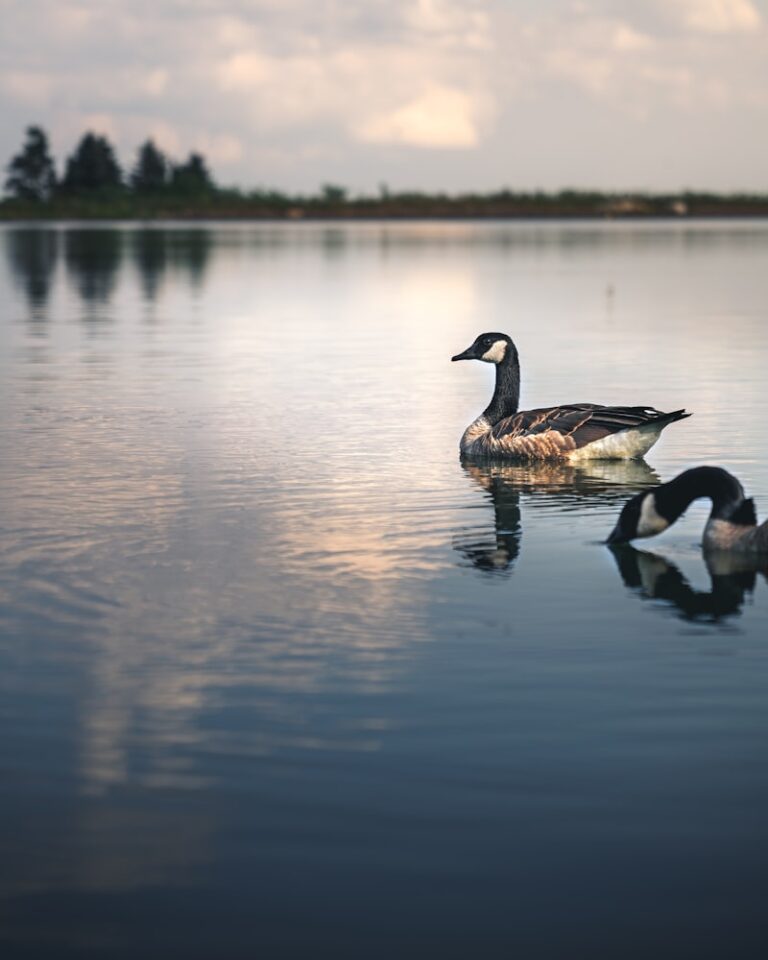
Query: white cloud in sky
x,y
719,16
26,86
155,82
450,24
243,71
440,117
221,148
446,94
626,38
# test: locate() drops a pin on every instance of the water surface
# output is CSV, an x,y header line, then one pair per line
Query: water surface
x,y
280,674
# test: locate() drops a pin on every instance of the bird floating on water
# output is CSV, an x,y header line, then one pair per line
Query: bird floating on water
x,y
732,523
572,432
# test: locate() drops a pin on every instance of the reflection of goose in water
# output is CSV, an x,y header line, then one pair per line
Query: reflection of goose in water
x,y
564,485
655,578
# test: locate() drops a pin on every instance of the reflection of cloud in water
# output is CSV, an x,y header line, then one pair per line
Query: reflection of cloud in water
x,y
560,486
162,609
653,577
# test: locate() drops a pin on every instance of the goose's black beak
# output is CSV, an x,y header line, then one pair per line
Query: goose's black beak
x,y
467,355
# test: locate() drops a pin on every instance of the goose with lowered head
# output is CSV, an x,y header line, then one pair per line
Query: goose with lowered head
x,y
573,431
732,523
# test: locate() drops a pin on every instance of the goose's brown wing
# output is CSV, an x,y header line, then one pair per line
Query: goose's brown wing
x,y
560,430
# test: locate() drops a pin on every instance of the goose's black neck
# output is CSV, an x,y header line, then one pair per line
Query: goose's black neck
x,y
506,396
722,488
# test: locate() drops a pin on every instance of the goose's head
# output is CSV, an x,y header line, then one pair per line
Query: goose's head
x,y
488,347
640,517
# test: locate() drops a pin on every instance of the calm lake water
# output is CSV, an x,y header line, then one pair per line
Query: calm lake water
x,y
280,677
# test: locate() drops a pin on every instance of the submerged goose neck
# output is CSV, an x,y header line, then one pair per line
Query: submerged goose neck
x,y
506,395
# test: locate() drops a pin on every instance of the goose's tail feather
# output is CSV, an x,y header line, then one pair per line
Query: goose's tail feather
x,y
664,418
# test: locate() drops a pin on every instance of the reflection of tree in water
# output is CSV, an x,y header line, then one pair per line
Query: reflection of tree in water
x,y
32,253
335,241
155,250
495,550
192,251
653,577
150,255
93,259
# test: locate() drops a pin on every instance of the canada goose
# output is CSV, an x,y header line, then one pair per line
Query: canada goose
x,y
574,432
732,523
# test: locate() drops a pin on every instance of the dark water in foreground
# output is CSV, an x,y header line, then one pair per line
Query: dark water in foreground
x,y
280,677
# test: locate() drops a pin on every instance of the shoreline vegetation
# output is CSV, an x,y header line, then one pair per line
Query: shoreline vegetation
x,y
232,204
94,186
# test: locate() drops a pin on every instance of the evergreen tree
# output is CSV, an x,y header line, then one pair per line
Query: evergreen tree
x,y
151,171
192,176
31,173
92,166
331,193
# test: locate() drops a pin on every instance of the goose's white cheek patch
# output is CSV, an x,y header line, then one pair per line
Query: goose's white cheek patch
x,y
650,522
496,353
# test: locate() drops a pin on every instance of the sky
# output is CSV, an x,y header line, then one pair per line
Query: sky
x,y
429,94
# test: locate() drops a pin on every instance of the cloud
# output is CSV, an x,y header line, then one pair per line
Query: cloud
x,y
242,72
156,82
375,93
718,16
441,117
644,71
449,23
221,148
625,39
27,86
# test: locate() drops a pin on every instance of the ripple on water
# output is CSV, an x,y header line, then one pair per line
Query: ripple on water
x,y
261,630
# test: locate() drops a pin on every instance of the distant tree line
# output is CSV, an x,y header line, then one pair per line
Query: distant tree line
x,y
93,170
93,184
